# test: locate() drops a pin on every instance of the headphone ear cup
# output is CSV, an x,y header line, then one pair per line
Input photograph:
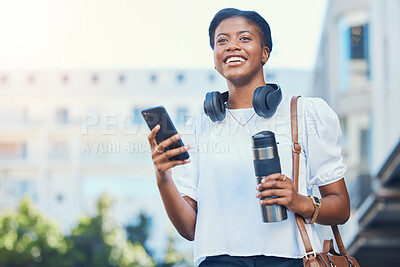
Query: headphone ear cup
x,y
214,106
266,99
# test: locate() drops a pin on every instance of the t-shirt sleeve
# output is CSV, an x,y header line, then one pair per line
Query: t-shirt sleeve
x,y
186,176
323,139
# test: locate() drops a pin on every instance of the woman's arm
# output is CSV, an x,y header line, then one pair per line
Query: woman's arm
x,y
335,208
335,202
182,211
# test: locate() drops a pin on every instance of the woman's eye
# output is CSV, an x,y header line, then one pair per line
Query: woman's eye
x,y
222,40
245,38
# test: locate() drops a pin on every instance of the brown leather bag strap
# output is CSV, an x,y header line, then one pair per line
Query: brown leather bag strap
x,y
296,161
338,239
296,164
295,139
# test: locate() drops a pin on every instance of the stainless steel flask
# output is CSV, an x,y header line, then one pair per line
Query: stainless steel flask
x,y
266,161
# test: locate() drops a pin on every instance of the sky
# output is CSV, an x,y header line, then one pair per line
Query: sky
x,y
108,34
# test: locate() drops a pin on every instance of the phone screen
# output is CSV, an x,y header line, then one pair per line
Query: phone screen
x,y
159,115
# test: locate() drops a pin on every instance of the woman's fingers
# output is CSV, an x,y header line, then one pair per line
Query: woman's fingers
x,y
274,201
276,180
280,196
175,151
159,153
271,184
160,156
274,177
159,149
166,143
272,192
272,187
164,156
278,189
152,136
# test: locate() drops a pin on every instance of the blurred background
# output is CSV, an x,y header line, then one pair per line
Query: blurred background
x,y
77,184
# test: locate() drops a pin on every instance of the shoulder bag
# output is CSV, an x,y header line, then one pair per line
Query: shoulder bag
x,y
328,257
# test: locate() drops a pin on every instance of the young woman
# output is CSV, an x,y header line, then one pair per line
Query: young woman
x,y
218,201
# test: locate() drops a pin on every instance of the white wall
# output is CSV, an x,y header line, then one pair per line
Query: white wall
x,y
385,28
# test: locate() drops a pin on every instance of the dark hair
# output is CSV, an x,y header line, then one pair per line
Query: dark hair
x,y
252,16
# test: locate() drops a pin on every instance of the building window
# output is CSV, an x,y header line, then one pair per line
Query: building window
x,y
271,75
211,78
31,79
13,116
65,79
60,198
121,78
62,116
180,77
23,151
4,79
153,78
181,116
354,65
58,150
25,116
20,188
13,151
365,146
137,116
358,34
95,79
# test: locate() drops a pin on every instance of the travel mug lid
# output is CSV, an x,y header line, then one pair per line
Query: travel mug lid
x,y
263,139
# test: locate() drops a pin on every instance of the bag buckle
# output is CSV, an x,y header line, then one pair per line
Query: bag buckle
x,y
310,253
296,147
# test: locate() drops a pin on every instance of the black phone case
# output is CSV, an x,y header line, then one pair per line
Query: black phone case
x,y
159,115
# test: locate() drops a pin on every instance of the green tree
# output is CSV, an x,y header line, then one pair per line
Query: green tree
x,y
27,238
139,232
173,258
98,241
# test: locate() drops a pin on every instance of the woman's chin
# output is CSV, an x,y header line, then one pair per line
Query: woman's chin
x,y
236,76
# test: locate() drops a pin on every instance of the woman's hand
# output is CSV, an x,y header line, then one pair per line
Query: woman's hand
x,y
160,158
335,200
281,187
182,211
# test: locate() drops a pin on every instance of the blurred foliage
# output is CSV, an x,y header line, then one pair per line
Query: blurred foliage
x,y
139,232
173,258
27,238
99,242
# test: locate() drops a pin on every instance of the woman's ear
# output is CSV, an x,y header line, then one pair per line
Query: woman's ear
x,y
265,55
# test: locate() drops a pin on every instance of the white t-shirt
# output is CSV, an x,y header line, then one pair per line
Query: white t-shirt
x,y
221,178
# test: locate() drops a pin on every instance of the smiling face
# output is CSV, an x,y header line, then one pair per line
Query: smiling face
x,y
239,53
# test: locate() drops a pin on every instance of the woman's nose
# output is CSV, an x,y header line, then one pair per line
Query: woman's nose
x,y
233,45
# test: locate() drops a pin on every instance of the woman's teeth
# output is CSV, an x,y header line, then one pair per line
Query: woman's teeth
x,y
234,59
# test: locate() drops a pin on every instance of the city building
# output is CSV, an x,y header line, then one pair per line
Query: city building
x,y
357,72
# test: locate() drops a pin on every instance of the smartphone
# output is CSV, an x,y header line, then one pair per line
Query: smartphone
x,y
159,115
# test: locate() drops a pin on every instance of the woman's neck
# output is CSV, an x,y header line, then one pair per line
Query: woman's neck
x,y
241,96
